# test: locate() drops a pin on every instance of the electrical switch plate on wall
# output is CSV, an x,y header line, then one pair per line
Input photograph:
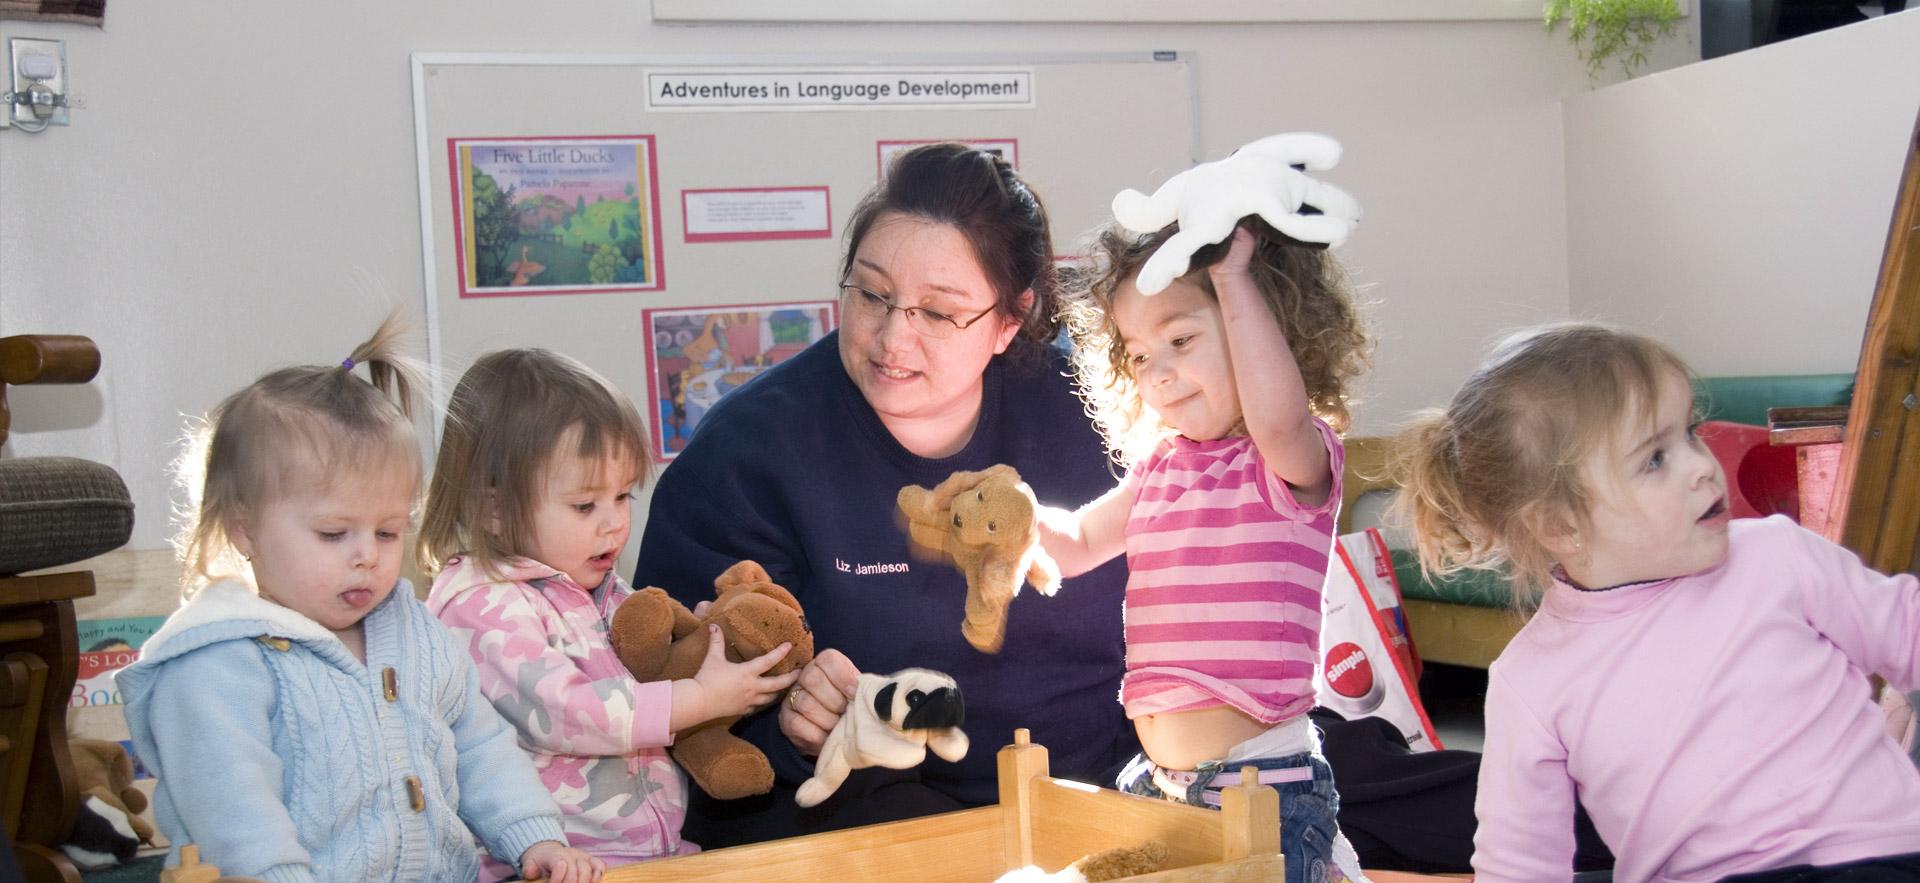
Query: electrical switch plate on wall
x,y
38,66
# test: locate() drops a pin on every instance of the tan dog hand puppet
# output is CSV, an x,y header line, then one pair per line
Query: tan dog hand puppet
x,y
983,523
891,721
659,639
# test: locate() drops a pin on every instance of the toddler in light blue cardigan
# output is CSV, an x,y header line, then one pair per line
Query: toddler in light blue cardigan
x,y
306,717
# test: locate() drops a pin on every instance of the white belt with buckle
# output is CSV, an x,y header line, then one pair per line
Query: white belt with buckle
x,y
1174,783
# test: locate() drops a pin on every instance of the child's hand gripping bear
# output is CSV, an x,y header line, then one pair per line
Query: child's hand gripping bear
x,y
1266,178
658,638
982,523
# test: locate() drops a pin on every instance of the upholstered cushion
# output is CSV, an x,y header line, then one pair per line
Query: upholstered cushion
x,y
1479,588
58,510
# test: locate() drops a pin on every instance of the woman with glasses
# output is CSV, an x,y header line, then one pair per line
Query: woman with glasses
x,y
943,362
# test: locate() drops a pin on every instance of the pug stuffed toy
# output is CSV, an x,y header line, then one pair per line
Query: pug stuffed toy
x,y
1266,178
891,721
659,639
984,524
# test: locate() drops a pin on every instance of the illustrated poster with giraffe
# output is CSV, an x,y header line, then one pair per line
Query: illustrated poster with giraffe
x,y
699,354
559,215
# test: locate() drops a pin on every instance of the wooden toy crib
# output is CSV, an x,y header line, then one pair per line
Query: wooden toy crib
x,y
1039,821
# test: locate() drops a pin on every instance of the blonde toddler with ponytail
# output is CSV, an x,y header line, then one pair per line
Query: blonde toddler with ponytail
x,y
1700,683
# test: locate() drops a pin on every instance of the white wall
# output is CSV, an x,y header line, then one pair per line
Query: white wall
x,y
1738,208
239,190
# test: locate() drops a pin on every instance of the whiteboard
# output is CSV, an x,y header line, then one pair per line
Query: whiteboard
x,y
1083,134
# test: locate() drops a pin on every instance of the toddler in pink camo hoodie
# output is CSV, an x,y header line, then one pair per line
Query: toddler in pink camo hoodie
x,y
527,514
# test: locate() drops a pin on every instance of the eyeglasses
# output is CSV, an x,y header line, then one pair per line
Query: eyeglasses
x,y
877,308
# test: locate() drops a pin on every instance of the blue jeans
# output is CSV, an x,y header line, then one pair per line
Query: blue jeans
x,y
1307,807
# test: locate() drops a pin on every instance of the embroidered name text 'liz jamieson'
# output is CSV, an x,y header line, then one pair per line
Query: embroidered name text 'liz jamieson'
x,y
865,569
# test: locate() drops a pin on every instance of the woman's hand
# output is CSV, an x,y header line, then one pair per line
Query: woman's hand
x,y
559,863
727,689
816,702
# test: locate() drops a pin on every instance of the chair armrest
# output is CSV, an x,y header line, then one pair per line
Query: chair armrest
x,y
43,358
48,358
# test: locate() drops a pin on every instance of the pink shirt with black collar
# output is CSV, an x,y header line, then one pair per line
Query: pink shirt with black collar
x,y
1712,724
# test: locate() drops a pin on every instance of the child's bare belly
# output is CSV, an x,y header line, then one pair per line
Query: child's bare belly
x,y
1182,740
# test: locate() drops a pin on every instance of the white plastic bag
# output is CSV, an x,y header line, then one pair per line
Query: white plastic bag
x,y
1367,657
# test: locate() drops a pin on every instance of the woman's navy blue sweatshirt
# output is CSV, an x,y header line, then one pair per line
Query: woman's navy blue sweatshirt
x,y
794,470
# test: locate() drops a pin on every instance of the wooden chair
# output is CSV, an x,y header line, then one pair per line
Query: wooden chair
x,y
39,648
39,658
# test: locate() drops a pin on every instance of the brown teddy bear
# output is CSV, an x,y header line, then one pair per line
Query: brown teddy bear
x,y
983,523
659,639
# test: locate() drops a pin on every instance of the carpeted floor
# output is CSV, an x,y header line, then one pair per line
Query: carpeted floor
x,y
140,870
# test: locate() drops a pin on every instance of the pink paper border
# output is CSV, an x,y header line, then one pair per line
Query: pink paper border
x,y
459,227
691,237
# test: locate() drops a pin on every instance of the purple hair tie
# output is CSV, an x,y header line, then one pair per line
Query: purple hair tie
x,y
347,364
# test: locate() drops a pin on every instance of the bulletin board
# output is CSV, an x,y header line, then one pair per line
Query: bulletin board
x,y
664,183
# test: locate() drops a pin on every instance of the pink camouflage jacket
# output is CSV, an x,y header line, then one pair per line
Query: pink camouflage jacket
x,y
597,736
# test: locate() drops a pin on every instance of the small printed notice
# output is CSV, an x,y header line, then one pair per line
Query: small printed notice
x,y
762,213
839,89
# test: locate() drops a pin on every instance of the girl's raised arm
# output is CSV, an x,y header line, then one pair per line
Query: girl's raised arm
x,y
1273,397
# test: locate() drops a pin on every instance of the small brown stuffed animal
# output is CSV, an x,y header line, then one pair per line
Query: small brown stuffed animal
x,y
1114,864
659,639
1122,862
108,829
102,769
982,523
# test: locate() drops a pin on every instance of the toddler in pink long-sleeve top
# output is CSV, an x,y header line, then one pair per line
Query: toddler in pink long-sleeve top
x,y
1209,389
527,514
1700,686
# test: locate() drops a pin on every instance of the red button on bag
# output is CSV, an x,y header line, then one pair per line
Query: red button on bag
x,y
1350,674
1348,671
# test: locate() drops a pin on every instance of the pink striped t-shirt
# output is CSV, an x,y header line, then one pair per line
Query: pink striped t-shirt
x,y
1223,596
